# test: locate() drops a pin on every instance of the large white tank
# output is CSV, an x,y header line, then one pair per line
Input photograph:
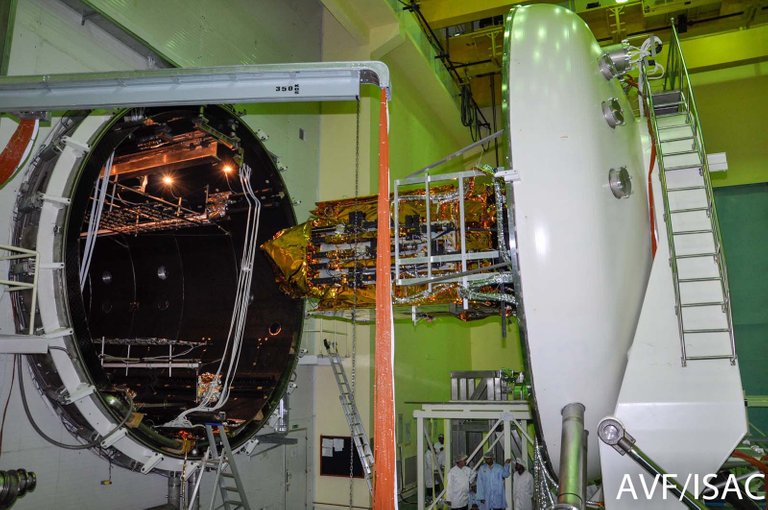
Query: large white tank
x,y
583,255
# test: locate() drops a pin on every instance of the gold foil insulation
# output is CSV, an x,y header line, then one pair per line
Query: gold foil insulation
x,y
332,256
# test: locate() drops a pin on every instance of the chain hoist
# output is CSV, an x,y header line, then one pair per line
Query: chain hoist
x,y
356,230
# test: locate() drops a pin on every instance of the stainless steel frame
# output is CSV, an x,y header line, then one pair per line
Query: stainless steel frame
x,y
503,416
321,81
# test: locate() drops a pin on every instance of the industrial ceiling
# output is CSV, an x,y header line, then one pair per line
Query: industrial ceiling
x,y
471,33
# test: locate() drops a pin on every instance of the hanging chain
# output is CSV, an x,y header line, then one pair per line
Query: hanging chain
x,y
354,293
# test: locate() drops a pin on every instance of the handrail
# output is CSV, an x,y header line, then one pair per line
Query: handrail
x,y
677,78
667,216
716,234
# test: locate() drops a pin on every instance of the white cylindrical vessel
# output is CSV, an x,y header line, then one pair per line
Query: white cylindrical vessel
x,y
580,236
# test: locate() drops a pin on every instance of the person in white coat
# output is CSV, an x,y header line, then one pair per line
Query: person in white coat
x,y
439,447
522,487
460,477
432,478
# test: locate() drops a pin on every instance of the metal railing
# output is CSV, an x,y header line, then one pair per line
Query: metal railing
x,y
677,79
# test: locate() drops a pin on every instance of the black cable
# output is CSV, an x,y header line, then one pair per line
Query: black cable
x,y
470,110
57,348
32,422
492,79
7,401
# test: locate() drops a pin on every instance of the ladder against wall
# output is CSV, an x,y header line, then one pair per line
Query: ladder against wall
x,y
347,399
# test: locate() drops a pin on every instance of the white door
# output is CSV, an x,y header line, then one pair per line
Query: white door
x,y
296,470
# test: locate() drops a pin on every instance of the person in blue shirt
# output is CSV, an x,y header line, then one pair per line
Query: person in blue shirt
x,y
490,483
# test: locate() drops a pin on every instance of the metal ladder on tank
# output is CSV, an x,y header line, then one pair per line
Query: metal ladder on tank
x,y
227,480
347,399
702,299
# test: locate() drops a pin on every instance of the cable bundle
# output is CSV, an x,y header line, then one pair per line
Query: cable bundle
x,y
234,345
646,50
97,205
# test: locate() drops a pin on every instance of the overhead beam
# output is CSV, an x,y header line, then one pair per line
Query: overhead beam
x,y
728,49
322,81
446,13
349,19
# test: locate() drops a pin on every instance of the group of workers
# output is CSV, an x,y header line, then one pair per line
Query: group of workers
x,y
481,490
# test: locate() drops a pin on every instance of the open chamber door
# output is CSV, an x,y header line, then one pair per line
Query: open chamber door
x,y
147,223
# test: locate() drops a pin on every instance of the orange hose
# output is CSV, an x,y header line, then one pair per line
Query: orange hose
x,y
651,213
383,388
14,151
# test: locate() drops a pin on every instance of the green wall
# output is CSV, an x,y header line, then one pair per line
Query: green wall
x,y
491,350
743,215
733,108
733,112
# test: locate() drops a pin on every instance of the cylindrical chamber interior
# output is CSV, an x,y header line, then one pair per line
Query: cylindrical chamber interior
x,y
153,317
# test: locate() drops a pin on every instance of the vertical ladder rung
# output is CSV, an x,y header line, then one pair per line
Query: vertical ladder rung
x,y
680,153
678,139
689,209
673,126
675,168
686,188
704,303
695,255
702,279
691,232
711,356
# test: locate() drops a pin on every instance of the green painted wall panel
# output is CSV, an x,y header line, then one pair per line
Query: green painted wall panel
x,y
490,350
733,118
743,215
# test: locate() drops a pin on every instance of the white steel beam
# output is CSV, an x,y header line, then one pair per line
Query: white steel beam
x,y
23,344
319,81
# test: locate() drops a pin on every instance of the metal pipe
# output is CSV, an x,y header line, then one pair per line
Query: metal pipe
x,y
612,432
651,467
174,490
459,152
191,489
570,495
584,451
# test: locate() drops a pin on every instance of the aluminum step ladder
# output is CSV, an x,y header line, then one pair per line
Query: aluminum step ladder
x,y
702,299
228,481
347,399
